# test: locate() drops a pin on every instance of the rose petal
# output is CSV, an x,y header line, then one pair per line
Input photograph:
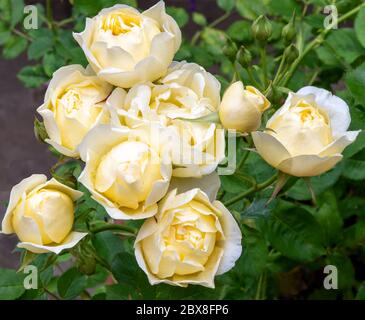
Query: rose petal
x,y
72,239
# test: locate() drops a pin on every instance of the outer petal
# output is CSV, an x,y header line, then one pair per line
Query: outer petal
x,y
16,193
232,247
72,239
270,148
72,193
210,184
340,144
308,165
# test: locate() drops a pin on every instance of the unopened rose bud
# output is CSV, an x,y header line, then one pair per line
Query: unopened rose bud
x,y
230,50
291,53
261,28
288,33
241,108
244,57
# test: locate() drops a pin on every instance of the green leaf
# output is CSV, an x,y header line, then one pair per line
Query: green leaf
x,y
4,33
355,81
346,272
52,62
240,31
226,5
11,284
328,216
107,245
199,19
361,292
234,183
254,257
32,76
345,44
127,272
319,184
360,26
179,14
250,9
283,8
14,47
355,235
354,169
71,284
295,233
17,11
39,47
91,8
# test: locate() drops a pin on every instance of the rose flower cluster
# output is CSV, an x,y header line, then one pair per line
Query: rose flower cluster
x,y
132,116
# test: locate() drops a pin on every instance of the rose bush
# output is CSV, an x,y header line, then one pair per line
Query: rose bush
x,y
142,120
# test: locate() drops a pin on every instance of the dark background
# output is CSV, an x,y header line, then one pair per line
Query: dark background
x,y
20,153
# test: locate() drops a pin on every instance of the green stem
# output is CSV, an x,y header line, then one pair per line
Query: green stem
x,y
264,65
22,34
252,78
279,71
113,227
253,189
197,35
64,22
316,42
49,13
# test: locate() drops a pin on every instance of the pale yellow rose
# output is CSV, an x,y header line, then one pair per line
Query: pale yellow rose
x,y
241,108
126,47
189,241
126,171
41,213
186,92
307,134
74,103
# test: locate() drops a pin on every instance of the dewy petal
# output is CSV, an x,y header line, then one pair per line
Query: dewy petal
x,y
72,239
308,165
16,194
337,109
210,184
232,247
270,148
340,144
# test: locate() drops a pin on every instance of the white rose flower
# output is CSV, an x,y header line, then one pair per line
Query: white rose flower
x,y
41,213
307,134
73,104
189,241
126,171
126,47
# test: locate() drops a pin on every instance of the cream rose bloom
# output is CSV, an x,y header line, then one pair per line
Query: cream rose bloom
x,y
186,92
307,134
189,241
241,108
41,213
73,104
126,47
126,171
